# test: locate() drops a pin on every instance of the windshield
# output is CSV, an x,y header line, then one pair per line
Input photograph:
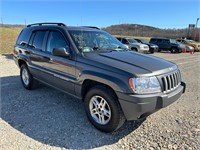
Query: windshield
x,y
132,41
89,41
179,43
173,41
144,41
190,41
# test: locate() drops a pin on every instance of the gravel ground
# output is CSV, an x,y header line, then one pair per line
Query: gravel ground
x,y
48,119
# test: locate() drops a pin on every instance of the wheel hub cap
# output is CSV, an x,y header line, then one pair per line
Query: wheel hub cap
x,y
100,110
25,77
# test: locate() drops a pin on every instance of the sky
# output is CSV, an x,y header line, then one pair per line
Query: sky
x,y
102,13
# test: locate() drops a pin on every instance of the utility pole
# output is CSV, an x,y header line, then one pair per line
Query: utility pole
x,y
196,29
190,28
1,21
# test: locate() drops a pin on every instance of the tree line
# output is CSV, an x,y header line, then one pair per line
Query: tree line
x,y
148,31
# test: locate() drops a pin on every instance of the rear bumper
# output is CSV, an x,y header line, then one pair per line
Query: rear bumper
x,y
154,48
15,60
134,106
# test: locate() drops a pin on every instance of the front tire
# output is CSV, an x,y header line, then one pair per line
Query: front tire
x,y
103,109
26,77
134,49
152,51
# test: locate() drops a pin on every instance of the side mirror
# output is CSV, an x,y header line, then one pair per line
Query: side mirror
x,y
60,52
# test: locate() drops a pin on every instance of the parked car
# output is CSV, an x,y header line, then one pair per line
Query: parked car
x,y
152,47
134,45
192,43
167,45
115,84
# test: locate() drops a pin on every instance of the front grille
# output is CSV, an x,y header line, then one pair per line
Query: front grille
x,y
171,81
146,47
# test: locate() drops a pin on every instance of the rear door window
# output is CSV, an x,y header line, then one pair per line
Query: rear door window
x,y
37,40
166,41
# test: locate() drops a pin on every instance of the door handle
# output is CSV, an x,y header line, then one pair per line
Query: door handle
x,y
27,52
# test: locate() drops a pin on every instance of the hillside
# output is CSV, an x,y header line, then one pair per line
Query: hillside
x,y
8,36
9,33
145,31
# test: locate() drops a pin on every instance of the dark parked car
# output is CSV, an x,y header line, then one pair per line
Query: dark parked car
x,y
167,44
152,47
114,83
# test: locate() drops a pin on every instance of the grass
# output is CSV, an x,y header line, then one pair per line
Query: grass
x,y
8,38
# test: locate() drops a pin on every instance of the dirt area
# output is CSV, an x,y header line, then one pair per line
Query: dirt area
x,y
45,118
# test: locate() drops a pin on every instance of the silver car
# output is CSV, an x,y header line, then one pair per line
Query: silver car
x,y
134,45
187,47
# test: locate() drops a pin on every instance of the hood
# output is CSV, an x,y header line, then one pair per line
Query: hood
x,y
193,44
153,44
133,62
135,44
182,45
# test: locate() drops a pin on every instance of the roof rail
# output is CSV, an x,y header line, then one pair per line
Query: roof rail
x,y
46,23
91,27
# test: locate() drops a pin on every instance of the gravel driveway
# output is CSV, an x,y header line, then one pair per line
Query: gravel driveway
x,y
45,118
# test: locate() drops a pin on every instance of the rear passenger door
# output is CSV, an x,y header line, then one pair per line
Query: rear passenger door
x,y
160,44
166,44
36,53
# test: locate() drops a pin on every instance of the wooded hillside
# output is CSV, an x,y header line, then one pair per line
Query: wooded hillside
x,y
146,31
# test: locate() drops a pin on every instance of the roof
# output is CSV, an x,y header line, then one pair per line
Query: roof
x,y
62,25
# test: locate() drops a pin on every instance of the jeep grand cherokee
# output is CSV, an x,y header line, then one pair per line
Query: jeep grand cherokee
x,y
115,84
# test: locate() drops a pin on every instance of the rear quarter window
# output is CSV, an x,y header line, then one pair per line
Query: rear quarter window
x,y
159,40
23,37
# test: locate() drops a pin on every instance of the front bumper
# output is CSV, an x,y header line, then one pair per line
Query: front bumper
x,y
197,48
155,48
134,106
143,49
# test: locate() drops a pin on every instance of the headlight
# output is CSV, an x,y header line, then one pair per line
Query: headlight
x,y
141,46
145,85
190,47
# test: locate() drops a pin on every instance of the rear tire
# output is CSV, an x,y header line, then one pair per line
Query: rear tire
x,y
26,77
103,109
174,50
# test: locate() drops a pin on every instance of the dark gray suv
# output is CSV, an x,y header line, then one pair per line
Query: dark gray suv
x,y
114,83
168,45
